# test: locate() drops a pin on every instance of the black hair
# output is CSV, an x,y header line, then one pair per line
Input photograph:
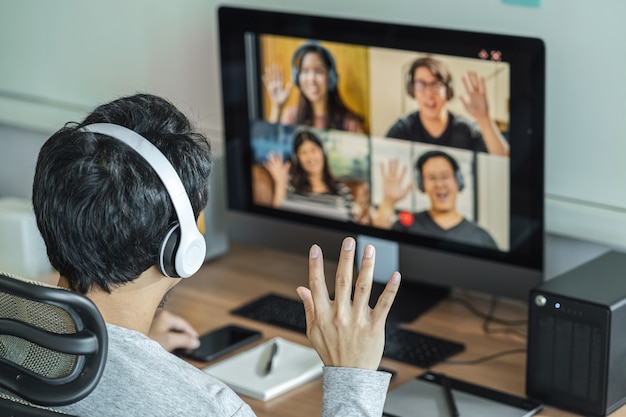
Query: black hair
x,y
101,208
437,68
432,154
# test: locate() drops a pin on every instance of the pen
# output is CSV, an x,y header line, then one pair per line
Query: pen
x,y
447,390
270,359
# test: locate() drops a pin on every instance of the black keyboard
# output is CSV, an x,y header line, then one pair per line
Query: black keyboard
x,y
418,349
401,344
275,309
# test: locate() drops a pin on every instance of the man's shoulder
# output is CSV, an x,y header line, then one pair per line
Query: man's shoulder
x,y
478,233
468,225
141,373
131,350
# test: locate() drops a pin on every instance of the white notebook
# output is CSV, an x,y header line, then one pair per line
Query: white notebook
x,y
246,373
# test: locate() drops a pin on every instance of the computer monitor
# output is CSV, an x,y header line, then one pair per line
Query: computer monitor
x,y
428,140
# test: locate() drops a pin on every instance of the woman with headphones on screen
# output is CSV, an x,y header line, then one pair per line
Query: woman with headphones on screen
x,y
308,174
319,105
429,82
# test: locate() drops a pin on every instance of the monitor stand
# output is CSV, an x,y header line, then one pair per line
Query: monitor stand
x,y
412,300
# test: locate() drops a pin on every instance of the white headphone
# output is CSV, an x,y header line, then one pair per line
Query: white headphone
x,y
183,248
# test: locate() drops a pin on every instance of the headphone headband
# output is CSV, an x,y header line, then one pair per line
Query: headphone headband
x,y
191,249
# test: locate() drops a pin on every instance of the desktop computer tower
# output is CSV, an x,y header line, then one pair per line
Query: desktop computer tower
x,y
577,338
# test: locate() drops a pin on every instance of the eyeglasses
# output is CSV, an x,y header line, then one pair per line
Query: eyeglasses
x,y
444,177
434,86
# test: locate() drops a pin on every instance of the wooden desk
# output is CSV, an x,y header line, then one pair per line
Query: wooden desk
x,y
248,272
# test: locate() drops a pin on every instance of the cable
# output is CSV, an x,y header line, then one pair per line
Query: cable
x,y
506,330
486,358
488,316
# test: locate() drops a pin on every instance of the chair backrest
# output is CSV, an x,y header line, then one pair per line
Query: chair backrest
x,y
13,406
53,342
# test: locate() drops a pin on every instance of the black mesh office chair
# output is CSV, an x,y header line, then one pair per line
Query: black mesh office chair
x,y
53,347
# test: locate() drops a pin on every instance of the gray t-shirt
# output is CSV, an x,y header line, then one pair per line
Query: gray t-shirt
x,y
143,379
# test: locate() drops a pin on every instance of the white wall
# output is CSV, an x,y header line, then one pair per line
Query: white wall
x,y
60,58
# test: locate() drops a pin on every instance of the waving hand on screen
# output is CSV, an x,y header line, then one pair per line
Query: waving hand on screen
x,y
394,190
278,90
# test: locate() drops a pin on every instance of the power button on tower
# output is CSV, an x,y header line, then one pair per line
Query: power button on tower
x,y
540,300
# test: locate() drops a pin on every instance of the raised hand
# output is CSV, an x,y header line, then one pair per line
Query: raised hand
x,y
346,332
394,188
475,100
476,104
274,81
279,171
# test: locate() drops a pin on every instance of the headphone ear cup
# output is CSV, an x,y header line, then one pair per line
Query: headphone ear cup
x,y
167,252
420,181
333,79
460,180
409,85
295,76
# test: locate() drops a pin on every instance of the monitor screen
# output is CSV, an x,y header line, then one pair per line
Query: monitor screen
x,y
426,139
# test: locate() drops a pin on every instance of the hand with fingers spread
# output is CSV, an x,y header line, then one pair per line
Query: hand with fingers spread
x,y
279,171
476,104
475,101
394,190
394,187
346,332
277,88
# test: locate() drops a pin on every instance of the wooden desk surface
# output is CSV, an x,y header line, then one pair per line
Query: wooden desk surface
x,y
248,272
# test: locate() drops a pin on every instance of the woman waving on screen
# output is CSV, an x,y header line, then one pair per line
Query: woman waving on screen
x,y
308,175
319,104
